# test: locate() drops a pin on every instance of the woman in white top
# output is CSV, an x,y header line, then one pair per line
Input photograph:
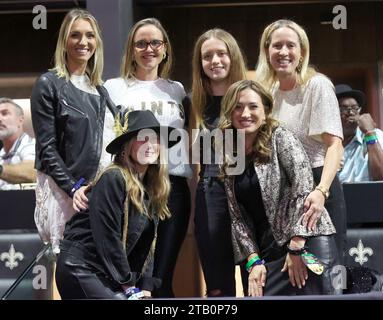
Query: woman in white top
x,y
305,103
72,122
144,85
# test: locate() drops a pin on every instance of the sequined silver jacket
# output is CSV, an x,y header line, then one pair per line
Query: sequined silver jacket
x,y
285,182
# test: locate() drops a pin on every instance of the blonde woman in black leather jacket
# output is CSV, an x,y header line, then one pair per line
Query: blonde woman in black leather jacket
x,y
71,121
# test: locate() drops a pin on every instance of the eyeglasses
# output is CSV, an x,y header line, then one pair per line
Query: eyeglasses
x,y
354,108
154,44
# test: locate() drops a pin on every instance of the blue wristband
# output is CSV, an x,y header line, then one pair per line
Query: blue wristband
x,y
372,141
133,293
77,186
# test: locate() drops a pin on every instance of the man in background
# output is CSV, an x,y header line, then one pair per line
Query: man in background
x,y
17,155
363,142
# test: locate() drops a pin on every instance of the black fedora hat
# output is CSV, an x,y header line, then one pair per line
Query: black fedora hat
x,y
136,121
344,90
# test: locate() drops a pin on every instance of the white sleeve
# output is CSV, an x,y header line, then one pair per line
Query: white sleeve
x,y
325,115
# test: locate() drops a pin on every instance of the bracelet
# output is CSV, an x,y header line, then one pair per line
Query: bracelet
x,y
372,141
325,192
77,186
297,252
133,293
370,137
256,260
370,133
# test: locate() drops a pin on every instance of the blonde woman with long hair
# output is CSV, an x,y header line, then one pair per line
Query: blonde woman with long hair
x,y
72,122
217,63
108,250
305,103
266,202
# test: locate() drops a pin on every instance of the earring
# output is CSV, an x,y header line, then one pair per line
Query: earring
x,y
299,66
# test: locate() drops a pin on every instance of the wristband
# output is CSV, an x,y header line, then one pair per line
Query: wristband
x,y
77,186
133,293
369,137
296,252
254,261
373,141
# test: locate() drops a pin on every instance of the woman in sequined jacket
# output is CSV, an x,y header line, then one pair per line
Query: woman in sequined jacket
x,y
268,200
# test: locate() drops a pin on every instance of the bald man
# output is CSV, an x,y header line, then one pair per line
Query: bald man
x,y
18,153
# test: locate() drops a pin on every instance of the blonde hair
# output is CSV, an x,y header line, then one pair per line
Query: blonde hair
x,y
201,82
261,146
95,64
264,72
128,65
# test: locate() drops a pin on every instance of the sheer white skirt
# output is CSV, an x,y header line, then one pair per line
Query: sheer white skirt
x,y
53,210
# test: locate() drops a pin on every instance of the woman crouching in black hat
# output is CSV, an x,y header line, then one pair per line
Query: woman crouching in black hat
x,y
107,251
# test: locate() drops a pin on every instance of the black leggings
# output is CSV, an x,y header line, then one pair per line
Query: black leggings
x,y
171,234
213,235
336,208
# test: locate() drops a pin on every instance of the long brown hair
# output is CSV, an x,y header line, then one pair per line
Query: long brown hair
x,y
261,149
201,82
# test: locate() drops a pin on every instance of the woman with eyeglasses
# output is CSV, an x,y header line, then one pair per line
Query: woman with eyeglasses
x,y
145,85
305,103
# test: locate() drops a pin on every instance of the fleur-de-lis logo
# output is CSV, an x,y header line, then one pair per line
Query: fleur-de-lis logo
x,y
361,252
11,257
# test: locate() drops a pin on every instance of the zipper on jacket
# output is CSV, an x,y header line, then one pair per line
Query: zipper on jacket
x,y
73,108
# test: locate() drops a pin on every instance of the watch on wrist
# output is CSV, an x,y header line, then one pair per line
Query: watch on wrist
x,y
325,192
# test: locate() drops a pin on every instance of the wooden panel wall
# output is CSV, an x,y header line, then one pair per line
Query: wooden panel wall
x,y
346,56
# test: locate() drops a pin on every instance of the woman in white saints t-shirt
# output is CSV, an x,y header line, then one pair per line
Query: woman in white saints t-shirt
x,y
144,85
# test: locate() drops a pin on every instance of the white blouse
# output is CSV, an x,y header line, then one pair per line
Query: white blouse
x,y
309,111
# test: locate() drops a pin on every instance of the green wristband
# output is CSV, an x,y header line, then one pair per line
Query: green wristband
x,y
370,138
252,261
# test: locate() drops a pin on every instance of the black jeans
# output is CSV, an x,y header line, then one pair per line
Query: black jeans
x,y
213,235
171,234
77,279
336,208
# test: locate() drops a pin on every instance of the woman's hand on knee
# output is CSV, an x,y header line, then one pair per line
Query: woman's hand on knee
x,y
297,270
257,280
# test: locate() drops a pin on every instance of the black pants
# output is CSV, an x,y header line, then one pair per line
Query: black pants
x,y
278,283
336,207
213,235
77,279
171,234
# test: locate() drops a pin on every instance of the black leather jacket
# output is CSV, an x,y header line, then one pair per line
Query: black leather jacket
x,y
97,234
68,124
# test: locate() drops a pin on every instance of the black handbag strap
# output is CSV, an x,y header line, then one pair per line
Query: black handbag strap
x,y
109,103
